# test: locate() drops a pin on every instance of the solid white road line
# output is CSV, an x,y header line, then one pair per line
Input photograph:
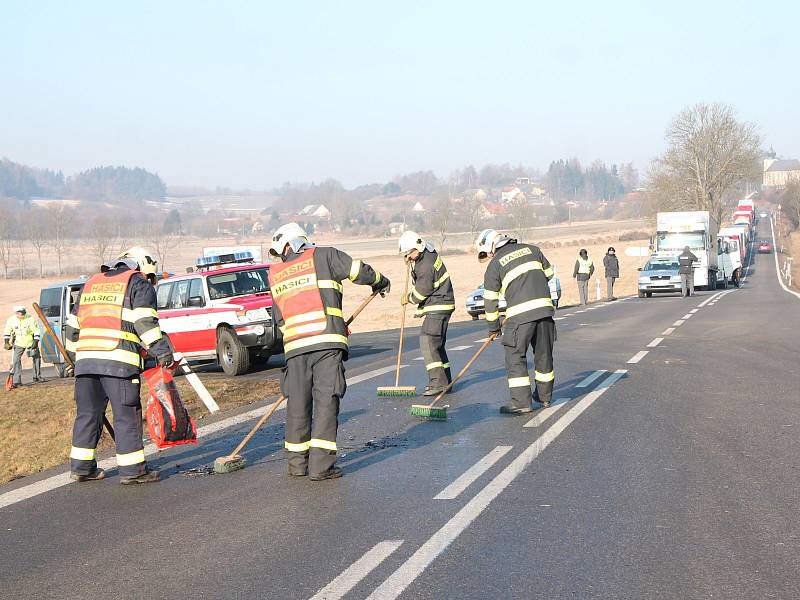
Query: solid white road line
x,y
470,475
546,413
707,300
580,311
62,479
591,378
420,358
592,308
559,318
457,348
777,266
678,323
655,342
438,543
357,571
637,357
668,330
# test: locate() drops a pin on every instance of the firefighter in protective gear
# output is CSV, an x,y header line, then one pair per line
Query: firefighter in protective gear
x,y
433,295
21,335
521,273
111,326
307,306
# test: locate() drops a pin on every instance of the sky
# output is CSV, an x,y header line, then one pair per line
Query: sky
x,y
254,94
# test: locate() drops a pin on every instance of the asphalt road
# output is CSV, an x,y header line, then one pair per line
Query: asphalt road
x,y
673,473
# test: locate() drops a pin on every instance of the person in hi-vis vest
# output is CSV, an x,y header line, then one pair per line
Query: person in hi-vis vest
x,y
584,268
307,292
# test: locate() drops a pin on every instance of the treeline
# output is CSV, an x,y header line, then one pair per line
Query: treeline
x,y
115,185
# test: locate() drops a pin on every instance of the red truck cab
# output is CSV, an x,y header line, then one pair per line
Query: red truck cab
x,y
222,311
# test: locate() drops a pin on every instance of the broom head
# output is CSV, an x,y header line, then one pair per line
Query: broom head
x,y
228,464
426,411
397,391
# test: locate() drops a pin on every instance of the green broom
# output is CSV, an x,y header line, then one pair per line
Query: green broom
x,y
398,390
439,413
235,461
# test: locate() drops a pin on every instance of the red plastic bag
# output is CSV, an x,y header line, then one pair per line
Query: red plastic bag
x,y
168,421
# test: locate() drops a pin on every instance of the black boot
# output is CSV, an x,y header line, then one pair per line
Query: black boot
x,y
95,475
332,473
146,477
510,409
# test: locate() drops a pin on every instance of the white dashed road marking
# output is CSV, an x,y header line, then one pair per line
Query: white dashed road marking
x,y
655,342
438,543
357,571
591,378
637,357
678,323
668,331
546,413
453,490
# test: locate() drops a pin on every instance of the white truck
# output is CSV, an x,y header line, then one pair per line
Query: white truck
x,y
696,229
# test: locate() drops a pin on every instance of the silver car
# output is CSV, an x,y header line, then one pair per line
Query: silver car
x,y
659,276
475,307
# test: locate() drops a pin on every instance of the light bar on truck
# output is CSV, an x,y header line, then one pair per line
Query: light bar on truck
x,y
205,262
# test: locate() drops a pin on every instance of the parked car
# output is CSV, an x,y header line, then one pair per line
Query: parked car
x,y
474,303
475,307
221,312
765,247
57,301
659,275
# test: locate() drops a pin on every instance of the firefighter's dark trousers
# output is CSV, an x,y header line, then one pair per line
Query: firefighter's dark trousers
x,y
432,339
313,383
92,395
517,339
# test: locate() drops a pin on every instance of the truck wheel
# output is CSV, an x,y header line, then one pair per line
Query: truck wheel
x,y
232,355
474,317
641,294
649,294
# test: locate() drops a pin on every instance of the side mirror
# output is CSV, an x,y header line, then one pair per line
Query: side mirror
x,y
196,301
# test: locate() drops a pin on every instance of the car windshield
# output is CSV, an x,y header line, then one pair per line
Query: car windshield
x,y
661,265
678,241
238,283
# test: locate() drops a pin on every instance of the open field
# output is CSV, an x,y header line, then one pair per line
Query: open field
x,y
36,421
467,272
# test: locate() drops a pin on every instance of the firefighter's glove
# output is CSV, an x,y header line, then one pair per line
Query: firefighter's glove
x,y
69,371
383,287
166,360
7,345
495,330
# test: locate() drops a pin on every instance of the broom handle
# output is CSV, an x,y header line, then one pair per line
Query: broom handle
x,y
65,355
402,328
488,341
265,417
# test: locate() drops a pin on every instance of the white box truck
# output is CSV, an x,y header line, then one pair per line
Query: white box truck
x,y
696,229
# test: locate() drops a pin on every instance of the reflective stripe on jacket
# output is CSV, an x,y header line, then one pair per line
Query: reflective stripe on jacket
x,y
113,320
24,331
433,290
521,273
292,312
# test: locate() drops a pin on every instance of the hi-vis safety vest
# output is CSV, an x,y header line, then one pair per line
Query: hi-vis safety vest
x,y
584,265
295,290
104,332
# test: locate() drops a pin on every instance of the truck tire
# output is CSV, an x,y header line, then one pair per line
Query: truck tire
x,y
649,294
233,356
475,317
641,294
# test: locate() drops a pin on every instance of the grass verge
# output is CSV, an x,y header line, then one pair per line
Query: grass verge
x,y
36,420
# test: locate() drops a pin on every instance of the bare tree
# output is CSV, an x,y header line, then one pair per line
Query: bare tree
x,y
708,153
474,211
7,227
522,215
162,244
442,215
60,222
36,232
20,242
103,238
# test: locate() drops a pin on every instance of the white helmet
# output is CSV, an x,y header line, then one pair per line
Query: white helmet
x,y
143,258
409,241
291,234
489,240
20,309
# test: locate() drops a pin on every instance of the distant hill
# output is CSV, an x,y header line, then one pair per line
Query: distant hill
x,y
113,185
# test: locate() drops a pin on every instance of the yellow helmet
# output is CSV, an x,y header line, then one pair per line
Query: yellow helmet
x,y
143,258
